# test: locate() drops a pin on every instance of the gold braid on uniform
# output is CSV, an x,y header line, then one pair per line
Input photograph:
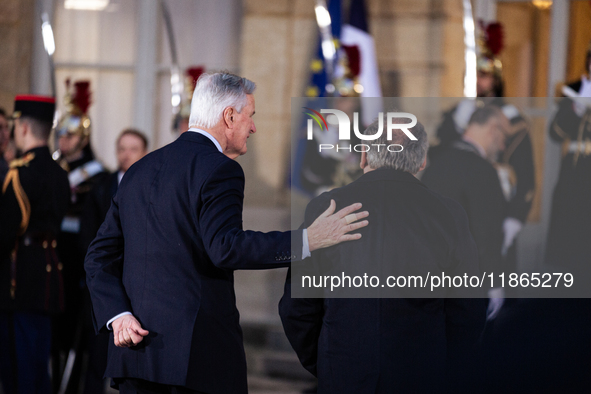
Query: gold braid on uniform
x,y
21,196
565,138
560,132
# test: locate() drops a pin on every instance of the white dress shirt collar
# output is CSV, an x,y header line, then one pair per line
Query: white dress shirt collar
x,y
211,137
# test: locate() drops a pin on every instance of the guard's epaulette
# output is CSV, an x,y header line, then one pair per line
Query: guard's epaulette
x,y
23,161
21,197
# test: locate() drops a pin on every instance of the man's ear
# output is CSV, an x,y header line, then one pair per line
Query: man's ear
x,y
423,165
26,128
363,162
229,115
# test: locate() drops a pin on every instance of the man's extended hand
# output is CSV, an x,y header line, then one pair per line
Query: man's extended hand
x,y
127,331
332,228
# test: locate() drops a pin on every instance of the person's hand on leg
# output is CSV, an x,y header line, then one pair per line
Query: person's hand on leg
x,y
127,331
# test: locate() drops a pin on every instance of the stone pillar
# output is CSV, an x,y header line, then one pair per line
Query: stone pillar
x,y
16,39
277,41
145,67
41,72
408,35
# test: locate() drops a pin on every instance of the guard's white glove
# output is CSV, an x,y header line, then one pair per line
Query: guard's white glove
x,y
496,298
511,227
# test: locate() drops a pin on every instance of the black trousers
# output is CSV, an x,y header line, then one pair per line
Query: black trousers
x,y
25,341
139,386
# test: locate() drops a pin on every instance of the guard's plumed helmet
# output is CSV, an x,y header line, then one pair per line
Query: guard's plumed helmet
x,y
75,120
490,45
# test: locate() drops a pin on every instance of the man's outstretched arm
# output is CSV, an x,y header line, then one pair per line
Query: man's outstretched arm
x,y
229,247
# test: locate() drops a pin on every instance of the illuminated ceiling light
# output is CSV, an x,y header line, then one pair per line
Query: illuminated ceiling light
x,y
542,4
93,5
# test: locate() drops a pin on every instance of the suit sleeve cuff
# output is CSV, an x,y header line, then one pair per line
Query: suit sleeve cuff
x,y
115,318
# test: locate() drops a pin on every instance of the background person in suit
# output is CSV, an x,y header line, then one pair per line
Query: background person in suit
x,y
34,198
164,258
570,222
131,145
385,345
465,173
515,162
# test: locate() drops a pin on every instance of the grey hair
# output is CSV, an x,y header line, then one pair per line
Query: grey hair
x,y
214,92
409,159
483,115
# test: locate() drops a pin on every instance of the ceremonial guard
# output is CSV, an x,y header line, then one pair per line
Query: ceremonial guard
x,y
75,155
515,164
570,223
34,199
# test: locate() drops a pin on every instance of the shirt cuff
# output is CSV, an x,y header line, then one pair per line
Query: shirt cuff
x,y
115,318
305,245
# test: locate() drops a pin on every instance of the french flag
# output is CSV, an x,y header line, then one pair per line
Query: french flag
x,y
356,34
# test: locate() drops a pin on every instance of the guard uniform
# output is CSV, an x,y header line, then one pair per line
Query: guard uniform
x,y
84,171
515,164
570,223
34,199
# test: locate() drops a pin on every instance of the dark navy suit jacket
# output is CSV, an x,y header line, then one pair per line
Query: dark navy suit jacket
x,y
166,252
387,345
